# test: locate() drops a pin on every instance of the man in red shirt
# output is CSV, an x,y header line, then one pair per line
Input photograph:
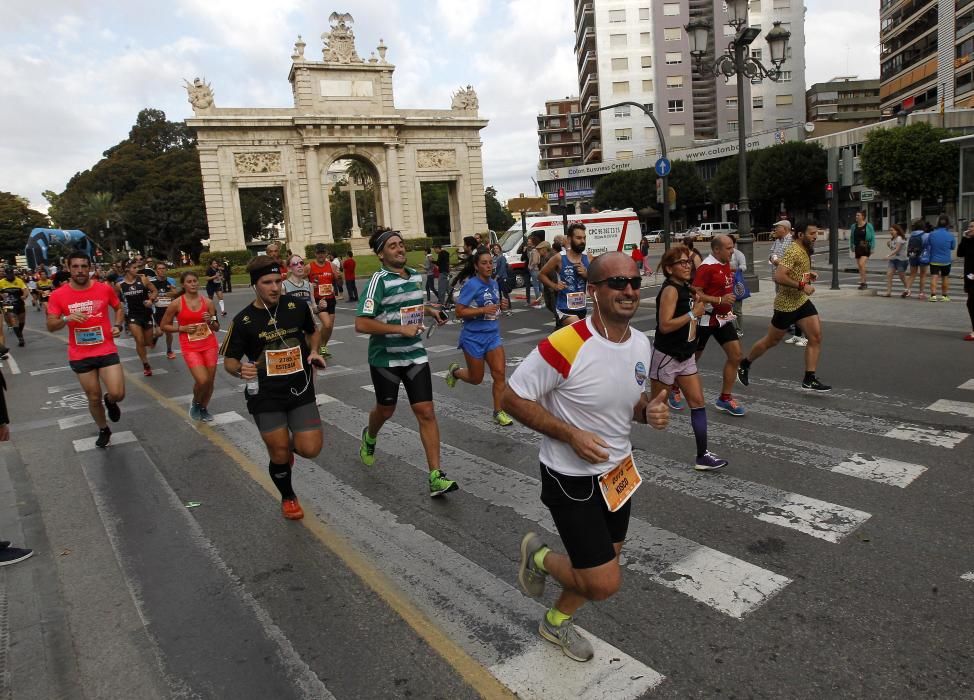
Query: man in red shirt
x,y
322,276
715,284
83,306
348,265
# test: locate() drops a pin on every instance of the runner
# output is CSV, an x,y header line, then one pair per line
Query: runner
x,y
82,305
392,311
679,315
566,274
166,291
45,285
276,333
323,278
478,306
14,293
296,283
582,388
214,283
138,294
715,284
793,277
31,282
194,319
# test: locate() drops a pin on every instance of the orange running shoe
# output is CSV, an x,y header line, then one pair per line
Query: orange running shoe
x,y
291,509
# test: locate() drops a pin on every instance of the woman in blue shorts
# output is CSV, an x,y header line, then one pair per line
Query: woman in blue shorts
x,y
478,306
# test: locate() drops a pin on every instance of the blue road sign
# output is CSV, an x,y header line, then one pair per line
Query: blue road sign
x,y
663,167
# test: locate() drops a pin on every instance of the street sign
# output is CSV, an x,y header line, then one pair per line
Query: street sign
x,y
659,191
867,195
663,167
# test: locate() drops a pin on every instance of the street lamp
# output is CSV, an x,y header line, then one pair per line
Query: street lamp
x,y
737,60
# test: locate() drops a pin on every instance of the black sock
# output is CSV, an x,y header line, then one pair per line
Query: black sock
x,y
19,332
745,363
281,476
698,421
809,376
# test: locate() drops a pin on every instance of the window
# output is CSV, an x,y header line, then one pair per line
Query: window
x,y
553,109
674,81
617,41
757,102
622,88
674,58
650,134
623,155
756,53
671,9
755,6
757,125
674,106
781,5
644,39
622,111
555,138
646,61
732,126
643,14
784,100
678,129
554,123
647,86
672,34
556,151
731,103
623,134
783,123
617,16
648,106
620,64
785,76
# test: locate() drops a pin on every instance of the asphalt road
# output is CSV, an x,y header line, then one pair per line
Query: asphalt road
x,y
828,560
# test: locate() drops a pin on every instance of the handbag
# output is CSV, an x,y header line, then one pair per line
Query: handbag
x,y
741,291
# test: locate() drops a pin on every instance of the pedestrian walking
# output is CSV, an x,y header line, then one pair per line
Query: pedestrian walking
x,y
227,275
582,388
348,270
644,251
534,267
942,244
339,271
918,257
898,259
738,263
502,272
862,241
431,272
966,251
443,266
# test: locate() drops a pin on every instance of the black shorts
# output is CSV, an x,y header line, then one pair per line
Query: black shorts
x,y
298,419
417,379
158,313
329,306
567,318
783,319
90,364
942,270
212,289
142,320
18,308
723,334
588,529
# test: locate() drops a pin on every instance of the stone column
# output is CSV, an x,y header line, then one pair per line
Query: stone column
x,y
418,208
395,187
315,201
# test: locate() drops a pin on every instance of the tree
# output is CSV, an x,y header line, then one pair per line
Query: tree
x,y
792,173
909,162
691,191
436,209
498,217
635,189
261,207
17,220
99,210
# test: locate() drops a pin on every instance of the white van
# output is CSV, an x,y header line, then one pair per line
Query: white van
x,y
605,231
706,231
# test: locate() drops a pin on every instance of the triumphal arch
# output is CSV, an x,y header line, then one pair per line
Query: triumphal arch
x,y
343,109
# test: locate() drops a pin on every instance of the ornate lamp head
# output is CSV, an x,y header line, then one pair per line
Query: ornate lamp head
x,y
737,13
698,32
778,43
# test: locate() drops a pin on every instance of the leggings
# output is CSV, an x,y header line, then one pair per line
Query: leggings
x,y
970,308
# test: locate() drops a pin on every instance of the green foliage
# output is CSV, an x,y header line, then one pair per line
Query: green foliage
x,y
339,248
498,217
436,209
16,221
634,189
340,204
725,185
794,173
237,258
260,207
691,191
909,162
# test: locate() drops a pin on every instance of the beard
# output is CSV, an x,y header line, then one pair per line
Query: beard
x,y
809,246
578,250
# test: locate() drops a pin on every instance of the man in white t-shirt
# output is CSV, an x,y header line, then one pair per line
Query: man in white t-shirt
x,y
582,388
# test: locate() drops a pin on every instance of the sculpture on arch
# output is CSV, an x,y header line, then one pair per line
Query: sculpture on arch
x,y
340,41
200,94
466,99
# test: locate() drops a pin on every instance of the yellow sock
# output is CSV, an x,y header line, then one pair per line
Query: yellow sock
x,y
556,617
539,556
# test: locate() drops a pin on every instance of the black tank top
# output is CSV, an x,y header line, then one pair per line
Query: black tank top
x,y
675,343
135,295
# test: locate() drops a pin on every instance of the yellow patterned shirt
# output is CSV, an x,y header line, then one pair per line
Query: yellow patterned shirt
x,y
798,265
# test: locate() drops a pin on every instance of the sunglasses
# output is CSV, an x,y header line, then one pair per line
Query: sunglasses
x,y
619,283
684,262
295,263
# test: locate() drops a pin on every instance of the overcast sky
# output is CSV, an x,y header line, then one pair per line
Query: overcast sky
x,y
74,74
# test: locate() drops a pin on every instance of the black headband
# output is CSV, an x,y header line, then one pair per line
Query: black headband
x,y
383,239
272,269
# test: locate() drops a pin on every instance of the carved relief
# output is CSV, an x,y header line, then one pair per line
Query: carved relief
x,y
256,163
436,160
340,41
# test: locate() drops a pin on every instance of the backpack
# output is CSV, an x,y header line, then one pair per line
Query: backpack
x,y
914,245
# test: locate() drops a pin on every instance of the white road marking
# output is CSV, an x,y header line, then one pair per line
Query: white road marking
x,y
444,373
523,331
88,443
958,408
509,646
969,576
929,436
61,388
969,384
49,370
323,399
226,417
12,364
125,343
727,584
74,421
336,342
885,471
341,328
441,348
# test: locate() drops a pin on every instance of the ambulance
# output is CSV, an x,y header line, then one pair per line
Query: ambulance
x,y
604,231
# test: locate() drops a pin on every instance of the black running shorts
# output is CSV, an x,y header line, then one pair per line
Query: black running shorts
x,y
417,379
326,306
141,320
588,529
723,334
783,319
299,419
89,364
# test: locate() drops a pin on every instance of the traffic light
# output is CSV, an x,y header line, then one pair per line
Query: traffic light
x,y
829,190
561,195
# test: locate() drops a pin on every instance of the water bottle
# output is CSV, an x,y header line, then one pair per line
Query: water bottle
x,y
252,386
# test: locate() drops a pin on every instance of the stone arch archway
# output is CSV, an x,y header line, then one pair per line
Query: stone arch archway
x,y
379,186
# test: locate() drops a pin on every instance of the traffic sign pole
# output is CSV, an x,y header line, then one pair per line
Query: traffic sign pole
x,y
834,234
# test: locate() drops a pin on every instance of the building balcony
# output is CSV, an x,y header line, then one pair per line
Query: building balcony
x,y
584,17
591,103
589,87
585,41
586,62
593,151
591,124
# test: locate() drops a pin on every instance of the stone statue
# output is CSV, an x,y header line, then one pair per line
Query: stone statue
x,y
200,94
466,99
340,41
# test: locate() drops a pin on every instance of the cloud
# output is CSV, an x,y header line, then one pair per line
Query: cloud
x,y
841,38
460,19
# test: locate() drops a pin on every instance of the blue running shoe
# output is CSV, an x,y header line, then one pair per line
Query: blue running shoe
x,y
730,406
675,399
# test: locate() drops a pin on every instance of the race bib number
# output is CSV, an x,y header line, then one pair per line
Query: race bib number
x,y
619,484
490,317
326,290
200,332
283,362
411,315
576,300
163,301
89,336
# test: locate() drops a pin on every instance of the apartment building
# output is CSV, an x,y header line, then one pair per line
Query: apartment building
x,y
559,134
842,103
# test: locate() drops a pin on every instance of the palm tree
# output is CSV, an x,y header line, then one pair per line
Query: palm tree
x,y
359,172
100,210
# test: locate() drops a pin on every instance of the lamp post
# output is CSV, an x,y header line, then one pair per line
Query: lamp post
x,y
662,149
737,60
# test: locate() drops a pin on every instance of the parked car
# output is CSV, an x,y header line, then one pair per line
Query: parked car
x,y
654,236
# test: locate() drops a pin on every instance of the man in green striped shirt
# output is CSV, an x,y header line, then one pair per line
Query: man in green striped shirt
x,y
391,311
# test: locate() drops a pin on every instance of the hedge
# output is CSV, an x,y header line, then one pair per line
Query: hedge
x,y
236,257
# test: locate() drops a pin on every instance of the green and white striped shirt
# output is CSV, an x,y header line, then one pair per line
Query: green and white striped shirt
x,y
390,298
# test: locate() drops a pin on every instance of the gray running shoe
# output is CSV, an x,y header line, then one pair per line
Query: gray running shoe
x,y
529,575
205,415
195,412
572,644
